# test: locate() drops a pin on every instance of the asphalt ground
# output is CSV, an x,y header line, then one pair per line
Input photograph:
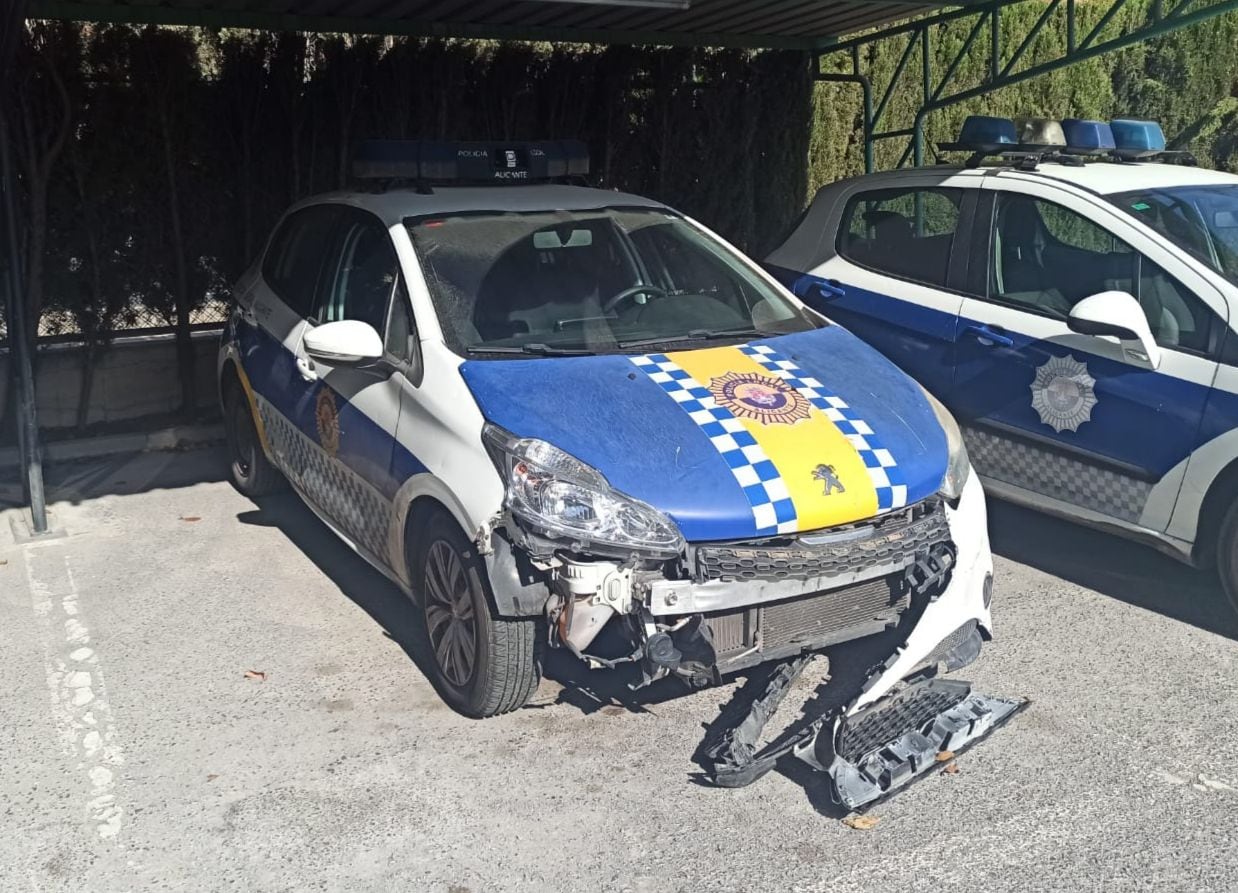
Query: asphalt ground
x,y
138,755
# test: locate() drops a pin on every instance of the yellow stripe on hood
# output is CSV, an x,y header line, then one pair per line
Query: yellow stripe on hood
x,y
795,435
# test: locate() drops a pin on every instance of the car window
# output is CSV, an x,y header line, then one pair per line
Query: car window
x,y
1045,258
904,232
294,259
599,280
362,275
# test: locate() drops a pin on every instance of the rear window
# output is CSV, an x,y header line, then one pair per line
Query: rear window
x,y
907,233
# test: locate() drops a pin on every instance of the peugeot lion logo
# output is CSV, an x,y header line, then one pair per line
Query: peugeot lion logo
x,y
826,473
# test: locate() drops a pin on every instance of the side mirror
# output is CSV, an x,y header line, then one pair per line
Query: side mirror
x,y
1117,314
344,343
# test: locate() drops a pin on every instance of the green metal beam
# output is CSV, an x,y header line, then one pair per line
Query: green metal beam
x,y
124,12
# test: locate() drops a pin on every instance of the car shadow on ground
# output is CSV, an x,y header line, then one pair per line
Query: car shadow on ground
x,y
1112,566
398,616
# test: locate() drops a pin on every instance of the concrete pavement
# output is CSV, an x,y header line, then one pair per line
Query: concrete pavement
x,y
138,755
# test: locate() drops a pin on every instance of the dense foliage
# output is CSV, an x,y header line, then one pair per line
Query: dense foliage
x,y
153,161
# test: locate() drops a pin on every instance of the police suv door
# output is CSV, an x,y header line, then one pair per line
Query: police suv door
x,y
900,251
352,410
1069,418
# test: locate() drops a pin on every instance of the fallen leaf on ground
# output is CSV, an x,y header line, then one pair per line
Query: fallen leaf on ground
x,y
945,756
861,822
260,675
212,777
190,518
951,769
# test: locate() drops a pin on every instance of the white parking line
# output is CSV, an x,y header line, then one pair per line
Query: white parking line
x,y
75,684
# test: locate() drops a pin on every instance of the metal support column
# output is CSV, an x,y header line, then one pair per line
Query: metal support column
x,y
19,348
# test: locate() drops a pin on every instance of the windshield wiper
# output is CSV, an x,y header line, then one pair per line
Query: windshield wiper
x,y
534,349
700,335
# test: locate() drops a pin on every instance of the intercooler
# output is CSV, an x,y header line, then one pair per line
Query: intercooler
x,y
750,635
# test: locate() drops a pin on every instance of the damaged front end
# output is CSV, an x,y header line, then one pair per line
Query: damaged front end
x,y
725,607
914,583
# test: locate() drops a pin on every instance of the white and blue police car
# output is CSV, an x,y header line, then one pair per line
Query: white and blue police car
x,y
544,410
1072,301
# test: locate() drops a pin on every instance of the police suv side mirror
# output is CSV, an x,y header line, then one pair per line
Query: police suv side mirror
x,y
1117,314
347,342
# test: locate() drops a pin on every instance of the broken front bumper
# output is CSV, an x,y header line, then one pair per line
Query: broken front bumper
x,y
871,755
904,715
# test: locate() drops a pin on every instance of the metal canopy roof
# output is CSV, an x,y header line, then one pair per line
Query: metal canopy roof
x,y
786,24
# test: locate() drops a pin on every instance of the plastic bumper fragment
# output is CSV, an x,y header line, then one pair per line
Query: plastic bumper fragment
x,y
862,778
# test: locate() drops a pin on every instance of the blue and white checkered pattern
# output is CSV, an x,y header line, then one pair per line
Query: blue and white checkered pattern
x,y
887,479
772,508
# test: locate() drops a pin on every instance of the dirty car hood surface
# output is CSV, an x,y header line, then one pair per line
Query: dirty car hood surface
x,y
780,435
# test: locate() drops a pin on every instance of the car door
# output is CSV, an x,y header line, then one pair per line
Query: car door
x,y
350,411
1080,419
273,319
893,272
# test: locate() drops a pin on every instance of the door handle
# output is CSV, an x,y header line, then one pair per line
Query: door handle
x,y
992,335
828,289
306,368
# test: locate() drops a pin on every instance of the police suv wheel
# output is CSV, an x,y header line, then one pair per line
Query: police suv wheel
x,y
1227,554
252,473
485,665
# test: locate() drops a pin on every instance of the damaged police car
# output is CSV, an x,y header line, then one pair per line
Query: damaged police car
x,y
546,411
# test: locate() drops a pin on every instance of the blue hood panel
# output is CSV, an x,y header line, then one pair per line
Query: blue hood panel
x,y
608,413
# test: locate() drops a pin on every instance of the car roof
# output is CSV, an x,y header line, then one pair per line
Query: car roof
x,y
394,205
1103,177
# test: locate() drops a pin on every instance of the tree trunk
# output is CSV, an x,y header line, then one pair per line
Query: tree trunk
x,y
184,344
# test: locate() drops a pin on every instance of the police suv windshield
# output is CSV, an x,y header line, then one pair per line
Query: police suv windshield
x,y
566,282
1203,220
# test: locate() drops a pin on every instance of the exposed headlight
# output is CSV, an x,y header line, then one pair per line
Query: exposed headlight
x,y
958,467
554,494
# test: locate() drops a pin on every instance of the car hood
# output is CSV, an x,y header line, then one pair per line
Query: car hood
x,y
779,435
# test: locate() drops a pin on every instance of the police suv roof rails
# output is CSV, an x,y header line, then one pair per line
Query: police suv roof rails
x,y
1029,141
426,162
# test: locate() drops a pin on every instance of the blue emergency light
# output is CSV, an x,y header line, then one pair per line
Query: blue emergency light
x,y
1084,137
437,161
985,133
1137,139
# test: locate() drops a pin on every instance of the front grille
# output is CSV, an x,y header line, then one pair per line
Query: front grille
x,y
888,543
905,712
815,620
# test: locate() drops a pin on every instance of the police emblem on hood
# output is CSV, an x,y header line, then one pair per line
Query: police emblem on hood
x,y
1063,393
762,398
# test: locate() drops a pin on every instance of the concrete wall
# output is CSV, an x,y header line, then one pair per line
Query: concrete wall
x,y
135,377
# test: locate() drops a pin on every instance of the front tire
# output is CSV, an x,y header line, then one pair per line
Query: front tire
x,y
1227,554
251,472
484,665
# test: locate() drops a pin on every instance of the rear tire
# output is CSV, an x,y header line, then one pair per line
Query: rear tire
x,y
1227,554
484,665
252,473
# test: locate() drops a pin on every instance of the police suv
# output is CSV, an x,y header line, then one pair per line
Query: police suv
x,y
544,410
1072,302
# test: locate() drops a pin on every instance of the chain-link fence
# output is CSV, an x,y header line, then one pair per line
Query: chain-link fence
x,y
61,326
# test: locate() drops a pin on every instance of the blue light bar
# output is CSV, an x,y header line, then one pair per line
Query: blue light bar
x,y
1084,137
431,160
985,133
1137,139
